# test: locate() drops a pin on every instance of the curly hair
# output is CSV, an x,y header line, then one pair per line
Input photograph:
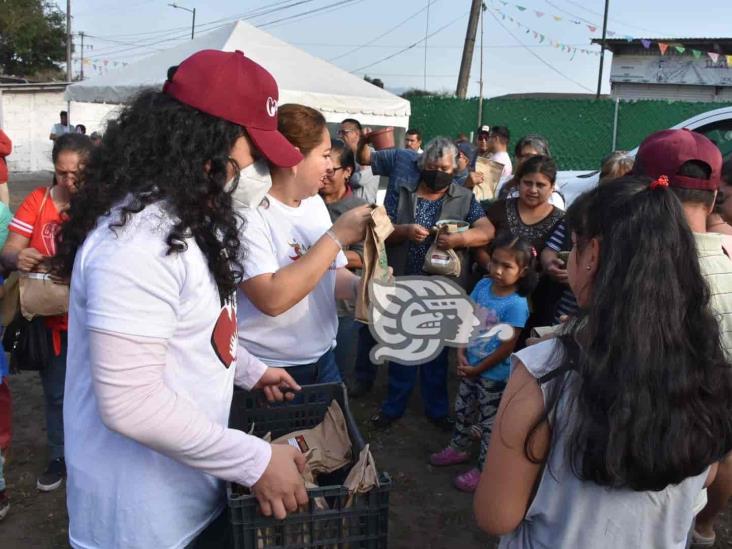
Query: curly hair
x,y
649,391
161,149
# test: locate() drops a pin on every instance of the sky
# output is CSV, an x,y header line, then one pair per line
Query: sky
x,y
373,37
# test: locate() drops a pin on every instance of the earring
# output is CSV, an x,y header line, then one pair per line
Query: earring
x,y
589,267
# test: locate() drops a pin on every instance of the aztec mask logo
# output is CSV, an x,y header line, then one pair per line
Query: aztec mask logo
x,y
417,316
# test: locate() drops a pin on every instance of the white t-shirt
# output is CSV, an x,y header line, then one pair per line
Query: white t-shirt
x,y
121,493
59,129
274,236
502,157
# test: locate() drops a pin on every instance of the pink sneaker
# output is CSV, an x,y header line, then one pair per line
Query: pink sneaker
x,y
448,456
468,482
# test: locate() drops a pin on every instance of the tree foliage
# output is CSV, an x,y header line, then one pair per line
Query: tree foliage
x,y
32,38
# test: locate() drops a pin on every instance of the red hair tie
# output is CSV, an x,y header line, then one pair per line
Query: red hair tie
x,y
662,181
533,252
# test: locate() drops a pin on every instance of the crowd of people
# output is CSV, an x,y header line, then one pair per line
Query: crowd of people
x,y
211,240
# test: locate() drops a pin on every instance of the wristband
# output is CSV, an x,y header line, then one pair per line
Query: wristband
x,y
331,233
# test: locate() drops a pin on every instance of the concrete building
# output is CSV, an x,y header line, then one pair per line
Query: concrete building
x,y
640,71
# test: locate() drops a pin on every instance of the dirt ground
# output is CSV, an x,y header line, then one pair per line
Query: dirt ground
x,y
426,511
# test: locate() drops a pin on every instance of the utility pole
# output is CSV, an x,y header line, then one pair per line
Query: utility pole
x,y
68,40
602,49
81,70
480,83
464,76
189,10
426,31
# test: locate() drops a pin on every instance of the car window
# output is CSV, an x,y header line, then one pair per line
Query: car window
x,y
721,134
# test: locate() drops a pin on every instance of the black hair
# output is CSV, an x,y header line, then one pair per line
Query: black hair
x,y
648,390
524,254
414,131
535,141
727,171
160,149
544,165
63,113
697,170
83,127
345,154
501,132
72,142
352,121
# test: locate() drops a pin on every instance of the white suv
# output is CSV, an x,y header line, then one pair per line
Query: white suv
x,y
716,125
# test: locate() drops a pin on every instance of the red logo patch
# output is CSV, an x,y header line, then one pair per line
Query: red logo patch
x,y
224,336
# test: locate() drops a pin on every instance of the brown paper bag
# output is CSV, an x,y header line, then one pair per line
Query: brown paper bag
x,y
375,265
491,171
327,446
363,476
41,296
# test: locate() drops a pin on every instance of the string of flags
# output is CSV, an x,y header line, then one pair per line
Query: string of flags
x,y
102,66
543,38
717,58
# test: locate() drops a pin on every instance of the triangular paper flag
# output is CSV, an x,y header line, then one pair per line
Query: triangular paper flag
x,y
557,18
539,13
520,8
610,33
713,56
646,43
663,47
574,52
528,31
592,28
629,38
536,34
577,22
729,61
541,38
504,3
679,48
696,53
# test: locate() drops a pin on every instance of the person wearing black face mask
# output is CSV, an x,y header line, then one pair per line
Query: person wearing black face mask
x,y
417,210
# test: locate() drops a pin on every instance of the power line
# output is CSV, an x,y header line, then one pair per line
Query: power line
x,y
414,44
612,19
392,29
304,14
552,67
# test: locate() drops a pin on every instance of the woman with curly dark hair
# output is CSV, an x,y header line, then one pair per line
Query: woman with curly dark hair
x,y
606,435
152,249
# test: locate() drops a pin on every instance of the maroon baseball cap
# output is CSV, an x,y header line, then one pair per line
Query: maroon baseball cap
x,y
230,86
664,152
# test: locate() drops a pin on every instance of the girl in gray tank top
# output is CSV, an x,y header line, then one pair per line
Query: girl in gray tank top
x,y
607,435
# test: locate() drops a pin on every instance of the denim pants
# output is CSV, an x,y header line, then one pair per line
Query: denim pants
x,y
53,377
433,384
346,342
364,369
325,370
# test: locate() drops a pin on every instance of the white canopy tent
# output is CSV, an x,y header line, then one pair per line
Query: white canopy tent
x,y
301,78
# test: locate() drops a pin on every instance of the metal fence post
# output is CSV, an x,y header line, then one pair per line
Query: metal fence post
x,y
615,123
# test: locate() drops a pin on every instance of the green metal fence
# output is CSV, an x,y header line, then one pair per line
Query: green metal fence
x,y
580,131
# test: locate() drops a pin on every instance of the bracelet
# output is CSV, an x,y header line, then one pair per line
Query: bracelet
x,y
331,233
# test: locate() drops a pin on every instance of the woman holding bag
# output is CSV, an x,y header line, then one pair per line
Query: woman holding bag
x,y
31,239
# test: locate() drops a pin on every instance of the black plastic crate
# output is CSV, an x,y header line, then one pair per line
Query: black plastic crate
x,y
363,525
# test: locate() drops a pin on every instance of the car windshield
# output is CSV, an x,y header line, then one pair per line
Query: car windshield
x,y
721,134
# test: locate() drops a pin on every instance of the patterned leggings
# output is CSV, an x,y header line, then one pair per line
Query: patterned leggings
x,y
476,403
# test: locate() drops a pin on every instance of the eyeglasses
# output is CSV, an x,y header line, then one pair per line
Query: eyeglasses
x,y
333,171
342,133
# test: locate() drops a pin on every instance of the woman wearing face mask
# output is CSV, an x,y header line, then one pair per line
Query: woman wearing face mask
x,y
295,269
417,211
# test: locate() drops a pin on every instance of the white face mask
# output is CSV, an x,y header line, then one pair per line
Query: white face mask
x,y
254,184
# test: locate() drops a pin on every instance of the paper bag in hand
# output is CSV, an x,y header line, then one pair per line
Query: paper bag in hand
x,y
375,265
491,171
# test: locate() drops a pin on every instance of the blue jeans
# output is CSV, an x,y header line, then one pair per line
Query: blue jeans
x,y
364,370
325,370
346,342
53,378
433,382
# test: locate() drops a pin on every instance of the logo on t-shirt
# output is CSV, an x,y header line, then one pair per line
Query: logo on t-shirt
x,y
48,234
224,336
298,249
